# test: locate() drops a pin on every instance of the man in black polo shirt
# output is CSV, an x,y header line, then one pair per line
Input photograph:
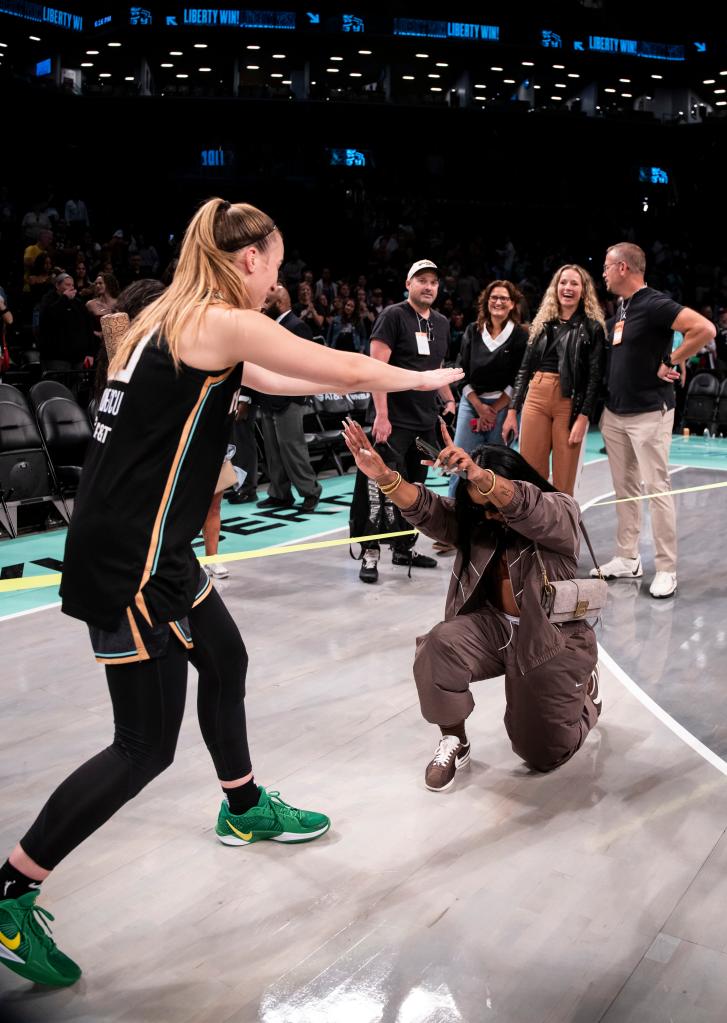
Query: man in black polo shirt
x,y
638,419
411,335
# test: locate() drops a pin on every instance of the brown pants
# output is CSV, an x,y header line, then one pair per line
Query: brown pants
x,y
548,714
545,427
638,450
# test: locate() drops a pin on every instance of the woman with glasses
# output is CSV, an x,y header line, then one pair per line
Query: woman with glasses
x,y
559,378
490,356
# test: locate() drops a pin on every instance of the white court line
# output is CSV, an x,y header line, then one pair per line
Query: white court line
x,y
666,719
635,689
283,543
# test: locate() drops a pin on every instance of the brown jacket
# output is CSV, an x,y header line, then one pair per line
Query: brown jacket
x,y
550,518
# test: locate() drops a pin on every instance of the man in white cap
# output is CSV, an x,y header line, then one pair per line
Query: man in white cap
x,y
411,335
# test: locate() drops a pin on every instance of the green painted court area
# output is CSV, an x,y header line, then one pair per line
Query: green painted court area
x,y
247,528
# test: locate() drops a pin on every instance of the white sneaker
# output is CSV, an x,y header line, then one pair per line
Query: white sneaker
x,y
217,571
620,568
664,585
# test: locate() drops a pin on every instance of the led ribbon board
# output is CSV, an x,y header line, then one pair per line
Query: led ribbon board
x,y
446,30
43,15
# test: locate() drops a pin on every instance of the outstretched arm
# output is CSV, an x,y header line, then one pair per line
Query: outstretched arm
x,y
233,335
276,383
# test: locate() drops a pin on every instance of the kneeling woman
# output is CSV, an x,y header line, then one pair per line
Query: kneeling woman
x,y
494,622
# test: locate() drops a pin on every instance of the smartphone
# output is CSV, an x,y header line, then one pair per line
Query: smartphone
x,y
510,438
431,452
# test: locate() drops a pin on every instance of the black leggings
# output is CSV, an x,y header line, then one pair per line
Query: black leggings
x,y
148,703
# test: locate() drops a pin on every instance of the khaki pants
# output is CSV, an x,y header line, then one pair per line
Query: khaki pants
x,y
548,714
638,450
545,427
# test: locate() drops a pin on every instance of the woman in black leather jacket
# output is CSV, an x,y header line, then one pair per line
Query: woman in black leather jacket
x,y
559,377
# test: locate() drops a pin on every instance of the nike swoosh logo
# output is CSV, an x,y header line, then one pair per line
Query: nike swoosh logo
x,y
240,834
579,684
10,943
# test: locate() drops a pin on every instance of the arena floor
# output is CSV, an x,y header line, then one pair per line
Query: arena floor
x,y
595,893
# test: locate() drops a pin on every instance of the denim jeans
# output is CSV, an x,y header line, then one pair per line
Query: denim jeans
x,y
466,438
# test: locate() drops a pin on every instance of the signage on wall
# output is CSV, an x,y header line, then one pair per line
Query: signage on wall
x,y
45,15
232,17
446,30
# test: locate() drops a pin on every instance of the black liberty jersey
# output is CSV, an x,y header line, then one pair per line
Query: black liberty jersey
x,y
158,443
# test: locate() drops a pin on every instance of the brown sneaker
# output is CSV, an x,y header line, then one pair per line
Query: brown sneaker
x,y
449,757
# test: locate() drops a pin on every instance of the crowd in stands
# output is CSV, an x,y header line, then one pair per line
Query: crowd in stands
x,y
61,270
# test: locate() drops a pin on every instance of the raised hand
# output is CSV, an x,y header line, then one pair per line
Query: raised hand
x,y
367,459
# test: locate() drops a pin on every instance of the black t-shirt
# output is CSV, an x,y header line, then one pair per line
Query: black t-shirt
x,y
549,362
397,327
633,385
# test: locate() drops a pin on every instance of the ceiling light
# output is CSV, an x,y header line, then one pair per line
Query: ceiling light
x,y
314,83
408,78
3,44
166,65
252,67
496,69
87,64
289,81
105,74
333,70
626,80
200,46
560,85
556,97
204,68
92,53
422,55
252,46
113,44
435,88
480,87
354,74
609,90
336,58
721,103
433,76
276,76
717,92
528,63
659,77
36,39
708,81
278,56
366,53
537,86
129,78
182,76
627,95
175,53
571,75
441,64
559,67
509,81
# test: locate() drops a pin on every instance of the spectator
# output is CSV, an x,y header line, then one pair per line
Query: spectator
x,y
346,331
456,334
106,292
560,377
325,286
149,258
638,420
40,279
35,221
293,269
307,311
76,217
133,271
286,451
84,285
43,246
65,339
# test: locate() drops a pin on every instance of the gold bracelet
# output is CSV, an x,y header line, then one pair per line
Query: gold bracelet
x,y
389,488
486,493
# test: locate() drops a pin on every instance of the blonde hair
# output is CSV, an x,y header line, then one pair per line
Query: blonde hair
x,y
550,308
205,274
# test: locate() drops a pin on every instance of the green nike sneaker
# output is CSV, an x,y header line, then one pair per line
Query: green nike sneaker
x,y
26,946
271,818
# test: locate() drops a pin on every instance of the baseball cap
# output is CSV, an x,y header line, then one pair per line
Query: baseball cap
x,y
421,264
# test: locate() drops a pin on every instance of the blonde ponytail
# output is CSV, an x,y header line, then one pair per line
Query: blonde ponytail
x,y
205,274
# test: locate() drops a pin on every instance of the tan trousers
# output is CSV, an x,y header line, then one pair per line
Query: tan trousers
x,y
638,450
545,427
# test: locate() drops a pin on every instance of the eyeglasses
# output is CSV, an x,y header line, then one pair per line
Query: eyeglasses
x,y
607,266
499,299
